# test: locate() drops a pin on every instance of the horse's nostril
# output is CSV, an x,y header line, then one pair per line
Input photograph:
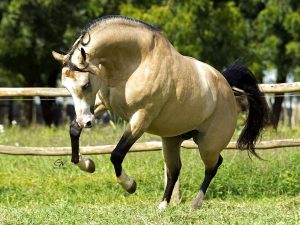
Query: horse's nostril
x,y
88,124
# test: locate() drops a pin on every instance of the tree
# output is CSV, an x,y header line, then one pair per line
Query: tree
x,y
263,32
212,31
276,43
29,30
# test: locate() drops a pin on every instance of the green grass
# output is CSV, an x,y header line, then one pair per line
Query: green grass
x,y
34,191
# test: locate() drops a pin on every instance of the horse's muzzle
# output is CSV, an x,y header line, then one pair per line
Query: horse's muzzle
x,y
88,124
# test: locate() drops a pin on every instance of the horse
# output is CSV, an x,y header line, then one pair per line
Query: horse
x,y
128,67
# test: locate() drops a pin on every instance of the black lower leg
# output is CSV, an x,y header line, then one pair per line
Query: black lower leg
x,y
171,181
119,153
209,175
75,131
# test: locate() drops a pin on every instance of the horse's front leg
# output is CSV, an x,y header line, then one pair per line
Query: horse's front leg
x,y
75,131
133,132
83,163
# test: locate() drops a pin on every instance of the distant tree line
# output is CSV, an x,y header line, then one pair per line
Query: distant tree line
x,y
265,33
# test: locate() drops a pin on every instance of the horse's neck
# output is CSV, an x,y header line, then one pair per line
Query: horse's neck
x,y
120,50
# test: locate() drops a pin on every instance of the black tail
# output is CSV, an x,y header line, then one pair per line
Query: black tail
x,y
241,77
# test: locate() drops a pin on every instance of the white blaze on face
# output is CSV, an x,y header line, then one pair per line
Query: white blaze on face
x,y
84,117
82,101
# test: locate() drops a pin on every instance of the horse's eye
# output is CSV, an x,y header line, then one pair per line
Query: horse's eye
x,y
84,87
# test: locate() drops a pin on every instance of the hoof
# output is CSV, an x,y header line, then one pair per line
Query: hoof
x,y
198,201
132,189
91,166
86,165
127,182
163,205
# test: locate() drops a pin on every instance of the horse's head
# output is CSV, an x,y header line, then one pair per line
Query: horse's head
x,y
79,76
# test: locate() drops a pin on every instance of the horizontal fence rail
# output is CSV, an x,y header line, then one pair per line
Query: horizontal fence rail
x,y
45,92
62,92
138,147
280,88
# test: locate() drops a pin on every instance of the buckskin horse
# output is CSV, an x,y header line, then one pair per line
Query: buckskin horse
x,y
129,67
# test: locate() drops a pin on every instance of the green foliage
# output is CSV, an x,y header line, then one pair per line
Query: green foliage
x,y
265,33
9,79
193,27
276,39
176,22
227,35
292,25
29,30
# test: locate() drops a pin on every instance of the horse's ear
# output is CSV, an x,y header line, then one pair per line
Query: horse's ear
x,y
83,54
58,56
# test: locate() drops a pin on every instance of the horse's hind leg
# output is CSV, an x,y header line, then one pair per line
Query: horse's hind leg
x,y
212,164
216,134
171,153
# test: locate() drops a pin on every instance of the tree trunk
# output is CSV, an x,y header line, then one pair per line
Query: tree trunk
x,y
28,111
277,106
10,112
48,106
276,110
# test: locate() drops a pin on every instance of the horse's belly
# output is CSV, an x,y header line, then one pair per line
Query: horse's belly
x,y
181,117
170,125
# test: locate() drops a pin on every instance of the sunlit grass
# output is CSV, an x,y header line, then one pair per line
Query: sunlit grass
x,y
34,191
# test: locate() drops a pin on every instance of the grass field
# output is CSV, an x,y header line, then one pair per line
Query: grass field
x,y
34,191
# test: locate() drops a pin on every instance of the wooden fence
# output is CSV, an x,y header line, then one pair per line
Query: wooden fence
x,y
149,146
62,92
138,147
